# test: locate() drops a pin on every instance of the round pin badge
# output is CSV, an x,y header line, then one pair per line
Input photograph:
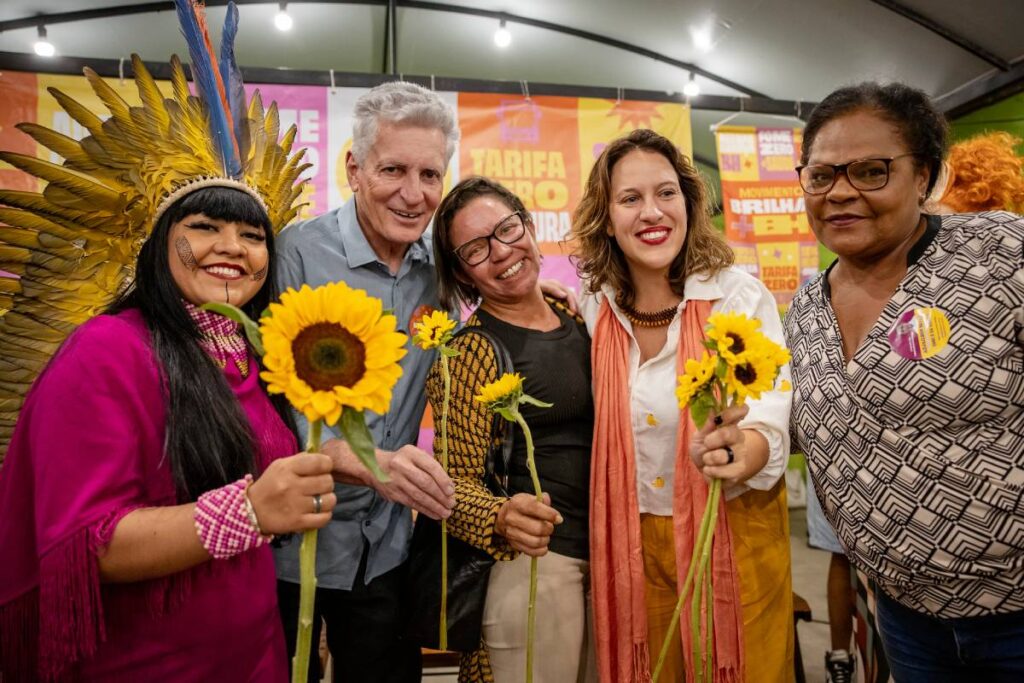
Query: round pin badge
x,y
919,333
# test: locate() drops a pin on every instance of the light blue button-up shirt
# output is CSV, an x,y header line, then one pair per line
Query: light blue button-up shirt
x,y
330,248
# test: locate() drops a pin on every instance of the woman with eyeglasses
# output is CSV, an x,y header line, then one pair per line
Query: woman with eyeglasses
x,y
908,373
487,256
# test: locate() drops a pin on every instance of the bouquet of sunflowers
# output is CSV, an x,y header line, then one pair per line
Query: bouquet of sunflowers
x,y
740,363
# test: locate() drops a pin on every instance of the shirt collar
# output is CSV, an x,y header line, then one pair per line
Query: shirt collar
x,y
358,251
702,287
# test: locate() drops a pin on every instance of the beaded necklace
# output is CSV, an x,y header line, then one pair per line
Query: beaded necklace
x,y
221,338
648,319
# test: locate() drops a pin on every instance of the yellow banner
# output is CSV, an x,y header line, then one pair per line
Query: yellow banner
x,y
765,221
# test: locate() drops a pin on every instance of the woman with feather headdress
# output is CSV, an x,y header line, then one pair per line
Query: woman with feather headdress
x,y
148,466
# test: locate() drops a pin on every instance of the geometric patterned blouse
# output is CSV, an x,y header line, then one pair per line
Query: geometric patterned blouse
x,y
918,455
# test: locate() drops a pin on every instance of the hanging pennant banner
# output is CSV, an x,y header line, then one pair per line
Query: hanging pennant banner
x,y
765,221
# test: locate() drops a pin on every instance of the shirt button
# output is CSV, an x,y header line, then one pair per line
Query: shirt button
x,y
367,523
651,420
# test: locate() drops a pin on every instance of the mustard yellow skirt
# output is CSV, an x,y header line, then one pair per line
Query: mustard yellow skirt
x,y
759,521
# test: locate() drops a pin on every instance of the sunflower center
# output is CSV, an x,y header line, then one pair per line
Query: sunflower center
x,y
327,355
737,346
746,373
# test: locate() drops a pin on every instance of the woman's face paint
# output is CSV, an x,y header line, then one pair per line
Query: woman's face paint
x,y
216,260
185,253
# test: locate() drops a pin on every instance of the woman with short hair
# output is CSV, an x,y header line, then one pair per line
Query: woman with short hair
x,y
908,366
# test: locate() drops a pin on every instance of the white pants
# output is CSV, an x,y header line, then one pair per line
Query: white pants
x,y
563,647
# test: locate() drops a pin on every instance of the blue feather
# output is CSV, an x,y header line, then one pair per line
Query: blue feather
x,y
205,75
232,77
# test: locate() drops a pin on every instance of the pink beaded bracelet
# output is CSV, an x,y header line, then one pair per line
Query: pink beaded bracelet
x,y
225,521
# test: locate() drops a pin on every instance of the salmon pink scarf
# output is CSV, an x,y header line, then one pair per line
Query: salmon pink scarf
x,y
616,558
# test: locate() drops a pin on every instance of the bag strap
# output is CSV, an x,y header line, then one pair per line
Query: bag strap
x,y
500,451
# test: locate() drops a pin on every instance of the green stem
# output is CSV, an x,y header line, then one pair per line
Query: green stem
x,y
707,523
531,616
683,592
443,635
702,568
307,582
709,655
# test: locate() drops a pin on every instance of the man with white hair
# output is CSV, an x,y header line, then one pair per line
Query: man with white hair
x,y
403,139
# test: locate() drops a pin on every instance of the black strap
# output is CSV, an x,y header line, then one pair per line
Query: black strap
x,y
500,451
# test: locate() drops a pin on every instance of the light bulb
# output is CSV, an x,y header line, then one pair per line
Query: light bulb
x,y
283,20
691,89
702,38
43,47
502,37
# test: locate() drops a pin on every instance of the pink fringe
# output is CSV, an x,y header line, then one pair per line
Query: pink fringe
x,y
70,610
47,630
641,662
19,628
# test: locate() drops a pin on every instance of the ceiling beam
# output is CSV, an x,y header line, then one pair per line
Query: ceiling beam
x,y
981,92
121,10
585,35
945,32
21,61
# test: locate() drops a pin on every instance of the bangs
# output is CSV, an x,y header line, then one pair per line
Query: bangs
x,y
223,204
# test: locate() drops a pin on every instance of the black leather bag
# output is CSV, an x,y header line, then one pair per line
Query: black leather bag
x,y
469,567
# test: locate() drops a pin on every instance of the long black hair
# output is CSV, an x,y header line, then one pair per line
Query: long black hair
x,y
208,440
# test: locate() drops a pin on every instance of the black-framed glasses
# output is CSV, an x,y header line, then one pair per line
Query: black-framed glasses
x,y
509,229
864,174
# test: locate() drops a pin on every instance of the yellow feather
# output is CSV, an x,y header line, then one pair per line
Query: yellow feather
x,y
149,93
68,148
76,182
179,84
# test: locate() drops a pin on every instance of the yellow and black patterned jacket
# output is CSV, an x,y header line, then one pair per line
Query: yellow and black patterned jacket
x,y
469,439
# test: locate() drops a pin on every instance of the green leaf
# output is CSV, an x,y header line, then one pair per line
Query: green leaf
x,y
251,329
710,345
701,407
353,427
450,353
526,398
506,413
720,369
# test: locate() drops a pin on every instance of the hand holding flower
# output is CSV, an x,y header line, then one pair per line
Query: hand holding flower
x,y
282,496
527,523
749,448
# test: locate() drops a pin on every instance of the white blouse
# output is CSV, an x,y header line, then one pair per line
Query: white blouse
x,y
654,411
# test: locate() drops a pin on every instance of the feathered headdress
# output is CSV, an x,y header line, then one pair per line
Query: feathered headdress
x,y
74,245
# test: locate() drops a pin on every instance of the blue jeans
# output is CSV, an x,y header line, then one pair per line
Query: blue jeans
x,y
924,649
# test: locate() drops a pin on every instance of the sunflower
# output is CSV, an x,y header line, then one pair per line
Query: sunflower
x,y
699,374
501,391
330,348
732,334
750,377
433,329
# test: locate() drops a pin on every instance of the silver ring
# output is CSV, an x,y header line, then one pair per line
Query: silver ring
x,y
732,456
317,504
